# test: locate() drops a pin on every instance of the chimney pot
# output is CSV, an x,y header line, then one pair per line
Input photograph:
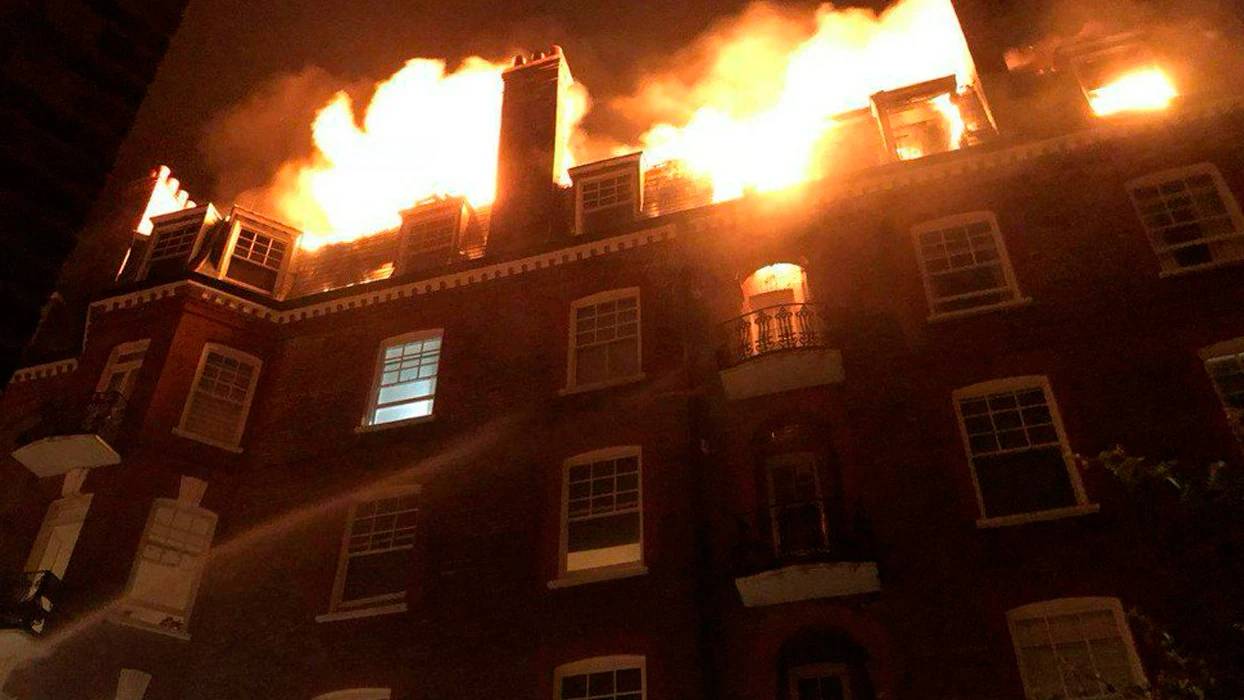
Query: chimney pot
x,y
539,55
520,60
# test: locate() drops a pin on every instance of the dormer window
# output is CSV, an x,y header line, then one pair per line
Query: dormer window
x,y
432,233
1121,75
922,119
175,238
608,194
259,251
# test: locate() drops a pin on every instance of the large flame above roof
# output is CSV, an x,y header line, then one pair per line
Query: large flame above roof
x,y
752,119
772,142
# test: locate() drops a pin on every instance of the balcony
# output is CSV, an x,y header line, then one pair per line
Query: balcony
x,y
27,601
801,551
73,435
775,349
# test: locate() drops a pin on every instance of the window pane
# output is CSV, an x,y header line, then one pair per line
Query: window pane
x,y
1024,482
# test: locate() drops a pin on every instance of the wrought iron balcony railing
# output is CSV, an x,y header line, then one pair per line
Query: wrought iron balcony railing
x,y
28,601
772,329
802,532
98,414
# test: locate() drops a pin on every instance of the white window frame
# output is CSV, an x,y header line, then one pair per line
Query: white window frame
x,y
208,218
132,684
357,694
129,605
983,389
567,578
1218,351
231,445
129,367
67,512
250,222
1070,606
1004,261
369,416
598,664
572,364
819,671
1164,251
367,607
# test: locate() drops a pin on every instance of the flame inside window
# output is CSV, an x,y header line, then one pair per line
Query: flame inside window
x,y
1147,89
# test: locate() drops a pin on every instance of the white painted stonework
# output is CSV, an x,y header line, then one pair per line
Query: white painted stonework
x,y
783,370
807,582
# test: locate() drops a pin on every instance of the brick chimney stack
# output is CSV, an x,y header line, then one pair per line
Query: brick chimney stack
x,y
530,156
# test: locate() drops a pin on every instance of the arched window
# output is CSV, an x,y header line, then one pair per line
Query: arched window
x,y
619,677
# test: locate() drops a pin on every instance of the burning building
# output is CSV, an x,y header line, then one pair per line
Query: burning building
x,y
639,428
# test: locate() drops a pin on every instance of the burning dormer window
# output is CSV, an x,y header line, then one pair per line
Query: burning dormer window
x,y
922,119
175,238
1121,75
608,194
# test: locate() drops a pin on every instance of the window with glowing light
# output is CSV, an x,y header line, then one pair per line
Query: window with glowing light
x,y
922,119
1192,218
602,678
374,566
1017,450
602,518
605,339
964,264
1122,76
404,388
224,385
1075,648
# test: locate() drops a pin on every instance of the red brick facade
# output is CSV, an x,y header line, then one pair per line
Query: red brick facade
x,y
486,614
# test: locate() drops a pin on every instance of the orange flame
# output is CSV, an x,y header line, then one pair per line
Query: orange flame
x,y
1147,89
756,121
852,55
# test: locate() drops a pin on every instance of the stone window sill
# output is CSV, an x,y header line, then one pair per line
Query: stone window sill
x,y
207,441
578,578
361,613
965,313
393,424
584,388
1038,516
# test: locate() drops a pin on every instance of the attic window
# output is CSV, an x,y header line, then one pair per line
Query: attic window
x,y
257,260
175,239
432,233
258,255
1121,76
607,194
922,119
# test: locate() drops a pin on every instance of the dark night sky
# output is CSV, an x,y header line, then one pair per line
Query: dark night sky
x,y
227,50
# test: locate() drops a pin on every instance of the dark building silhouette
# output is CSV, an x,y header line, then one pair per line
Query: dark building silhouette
x,y
613,440
72,75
